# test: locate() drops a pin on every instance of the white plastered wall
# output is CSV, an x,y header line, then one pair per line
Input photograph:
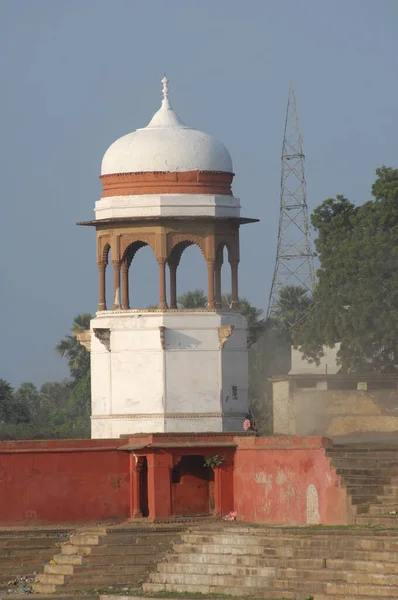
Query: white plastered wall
x,y
167,371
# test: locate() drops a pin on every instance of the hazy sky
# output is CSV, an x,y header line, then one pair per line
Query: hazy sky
x,y
77,74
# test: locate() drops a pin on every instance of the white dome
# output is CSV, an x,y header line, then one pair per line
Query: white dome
x,y
166,144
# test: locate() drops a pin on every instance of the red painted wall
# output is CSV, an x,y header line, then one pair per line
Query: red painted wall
x,y
265,479
63,480
271,477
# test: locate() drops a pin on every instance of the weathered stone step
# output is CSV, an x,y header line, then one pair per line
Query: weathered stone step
x,y
370,566
216,569
84,540
366,471
124,550
307,587
391,490
240,592
70,549
141,539
365,490
245,561
388,499
112,572
352,590
256,546
50,579
68,559
288,552
221,549
101,581
220,581
385,521
118,559
380,509
23,553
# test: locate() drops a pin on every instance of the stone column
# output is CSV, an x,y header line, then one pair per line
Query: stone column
x,y
125,286
116,285
162,284
173,286
234,285
136,463
101,281
217,284
210,285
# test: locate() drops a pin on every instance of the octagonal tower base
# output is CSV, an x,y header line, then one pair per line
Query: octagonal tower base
x,y
168,371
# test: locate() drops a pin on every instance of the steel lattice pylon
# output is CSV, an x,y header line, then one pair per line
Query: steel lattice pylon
x,y
294,257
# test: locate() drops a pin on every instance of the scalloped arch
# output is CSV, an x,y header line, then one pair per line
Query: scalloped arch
x,y
146,239
178,238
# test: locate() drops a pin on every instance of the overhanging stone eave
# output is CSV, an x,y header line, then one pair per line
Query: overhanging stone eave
x,y
149,219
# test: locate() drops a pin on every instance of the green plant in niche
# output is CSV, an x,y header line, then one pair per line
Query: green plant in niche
x,y
215,461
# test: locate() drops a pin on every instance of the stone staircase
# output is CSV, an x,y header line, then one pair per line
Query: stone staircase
x,y
371,478
99,558
22,554
265,563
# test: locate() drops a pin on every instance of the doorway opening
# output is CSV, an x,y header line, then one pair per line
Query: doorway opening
x,y
144,508
192,487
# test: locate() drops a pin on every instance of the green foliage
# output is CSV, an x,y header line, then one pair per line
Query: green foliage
x,y
215,461
192,299
198,299
270,355
356,299
69,347
60,409
12,410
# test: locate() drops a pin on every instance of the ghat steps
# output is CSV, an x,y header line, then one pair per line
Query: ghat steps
x,y
280,562
100,558
22,554
371,478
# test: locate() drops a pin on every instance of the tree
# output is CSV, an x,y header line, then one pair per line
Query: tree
x,y
292,305
12,410
28,395
192,299
252,315
356,299
69,347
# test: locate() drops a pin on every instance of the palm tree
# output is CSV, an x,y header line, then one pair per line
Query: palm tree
x,y
69,347
292,305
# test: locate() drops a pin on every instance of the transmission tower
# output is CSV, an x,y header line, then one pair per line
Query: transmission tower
x,y
294,257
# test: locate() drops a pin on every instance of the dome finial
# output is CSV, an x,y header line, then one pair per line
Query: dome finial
x,y
165,90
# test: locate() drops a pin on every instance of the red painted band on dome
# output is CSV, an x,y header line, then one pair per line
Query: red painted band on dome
x,y
162,182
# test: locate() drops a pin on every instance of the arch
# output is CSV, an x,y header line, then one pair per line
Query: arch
x,y
312,505
131,250
225,244
146,239
105,253
176,239
135,273
173,262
